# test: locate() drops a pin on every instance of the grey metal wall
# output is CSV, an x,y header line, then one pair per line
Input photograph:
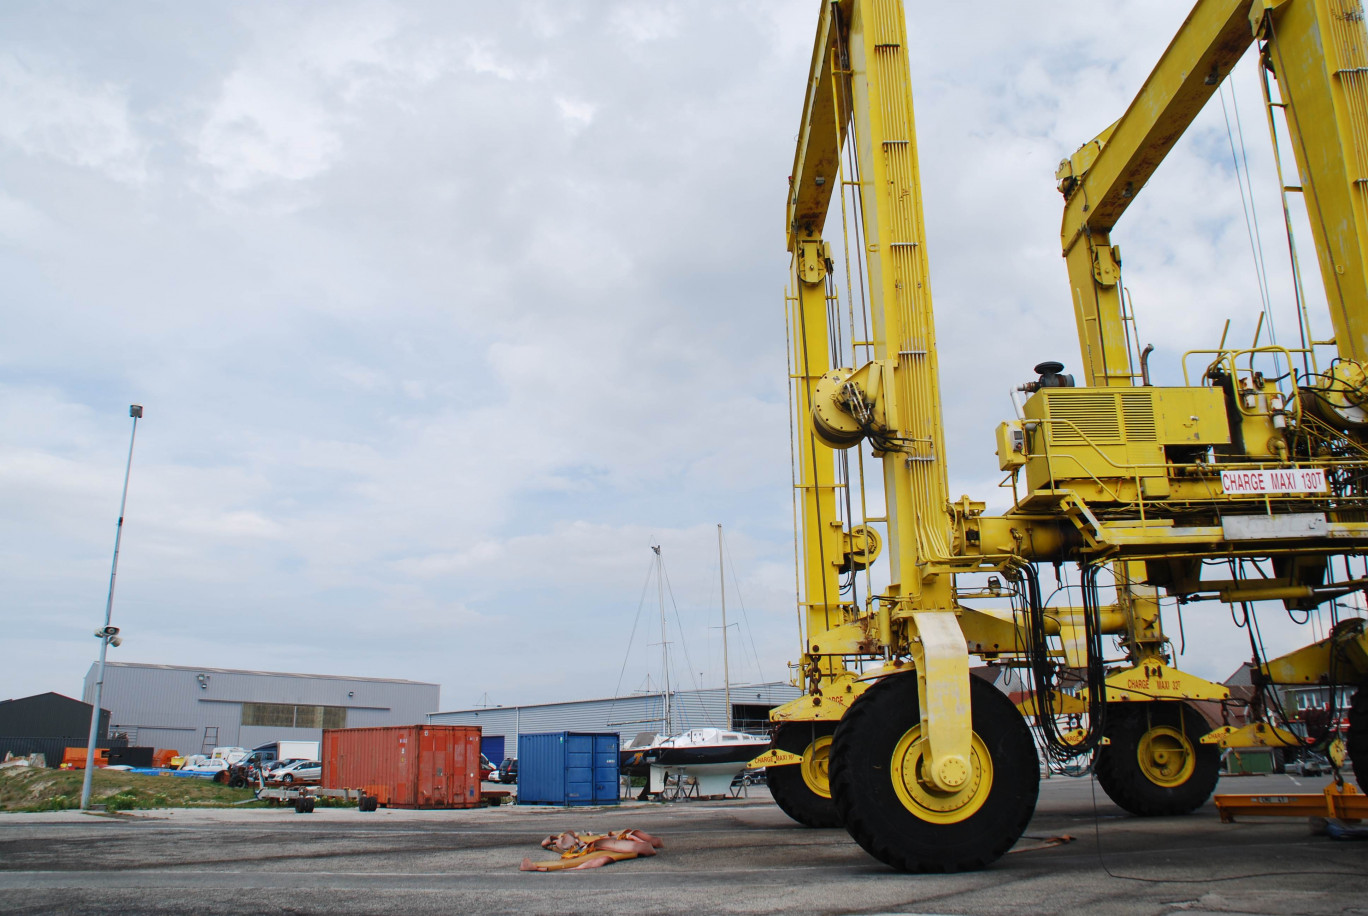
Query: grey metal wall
x,y
49,715
171,705
625,715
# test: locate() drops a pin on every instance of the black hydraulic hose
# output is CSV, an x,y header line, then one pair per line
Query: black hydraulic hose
x,y
1044,671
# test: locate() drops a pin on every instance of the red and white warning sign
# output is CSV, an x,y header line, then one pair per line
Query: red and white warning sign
x,y
1277,480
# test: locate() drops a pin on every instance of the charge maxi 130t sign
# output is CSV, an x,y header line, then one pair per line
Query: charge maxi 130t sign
x,y
1276,480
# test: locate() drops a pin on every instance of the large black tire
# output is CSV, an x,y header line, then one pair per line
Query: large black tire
x,y
1155,766
237,782
876,745
803,791
1357,739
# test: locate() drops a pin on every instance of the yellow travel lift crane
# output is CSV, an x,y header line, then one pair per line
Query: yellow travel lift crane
x,y
1246,482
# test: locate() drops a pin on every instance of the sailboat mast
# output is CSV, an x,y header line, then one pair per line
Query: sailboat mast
x,y
726,667
664,642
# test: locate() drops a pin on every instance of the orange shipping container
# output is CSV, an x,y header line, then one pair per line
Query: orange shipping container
x,y
406,766
74,758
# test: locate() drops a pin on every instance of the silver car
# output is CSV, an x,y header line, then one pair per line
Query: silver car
x,y
299,771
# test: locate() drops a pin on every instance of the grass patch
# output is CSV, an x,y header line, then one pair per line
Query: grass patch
x,y
40,789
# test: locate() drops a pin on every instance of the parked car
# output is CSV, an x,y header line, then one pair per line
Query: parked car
x,y
488,771
1309,764
207,767
508,770
750,777
275,765
299,771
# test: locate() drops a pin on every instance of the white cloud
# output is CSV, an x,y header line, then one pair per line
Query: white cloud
x,y
266,126
483,56
643,23
22,224
45,112
579,113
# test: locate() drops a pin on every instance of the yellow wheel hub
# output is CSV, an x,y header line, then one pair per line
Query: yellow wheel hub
x,y
1166,756
814,766
913,785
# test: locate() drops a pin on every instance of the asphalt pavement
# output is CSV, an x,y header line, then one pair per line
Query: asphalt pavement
x,y
734,856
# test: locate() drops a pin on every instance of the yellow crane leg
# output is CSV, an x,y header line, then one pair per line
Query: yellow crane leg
x,y
942,661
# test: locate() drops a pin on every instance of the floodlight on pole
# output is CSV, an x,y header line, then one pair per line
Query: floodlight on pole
x,y
108,635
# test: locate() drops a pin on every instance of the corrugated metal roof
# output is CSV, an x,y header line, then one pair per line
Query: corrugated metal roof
x,y
772,691
337,677
627,716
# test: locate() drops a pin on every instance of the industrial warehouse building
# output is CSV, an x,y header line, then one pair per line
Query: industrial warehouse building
x,y
48,724
628,716
193,710
48,715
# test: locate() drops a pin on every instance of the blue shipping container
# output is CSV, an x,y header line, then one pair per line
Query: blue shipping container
x,y
568,768
492,746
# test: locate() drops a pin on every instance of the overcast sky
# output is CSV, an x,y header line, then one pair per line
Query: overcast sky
x,y
443,313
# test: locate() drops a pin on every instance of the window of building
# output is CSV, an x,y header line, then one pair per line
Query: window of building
x,y
281,715
1310,699
272,715
308,716
751,717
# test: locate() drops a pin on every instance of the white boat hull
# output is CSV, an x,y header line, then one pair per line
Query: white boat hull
x,y
700,779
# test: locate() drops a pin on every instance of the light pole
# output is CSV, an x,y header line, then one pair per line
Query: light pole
x,y
107,634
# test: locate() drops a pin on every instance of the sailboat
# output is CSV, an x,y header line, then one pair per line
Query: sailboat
x,y
705,759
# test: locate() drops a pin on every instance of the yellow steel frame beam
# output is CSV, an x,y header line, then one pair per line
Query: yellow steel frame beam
x,y
821,134
821,542
859,87
861,55
838,693
1319,53
1255,734
1154,679
1103,178
903,327
1344,651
